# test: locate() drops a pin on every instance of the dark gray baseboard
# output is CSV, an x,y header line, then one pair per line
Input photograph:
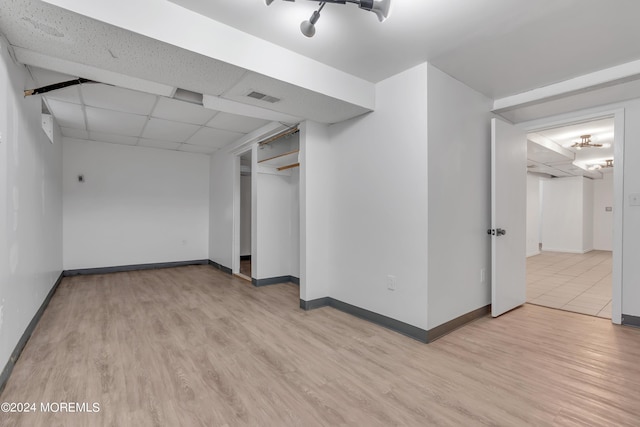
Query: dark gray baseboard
x,y
396,325
315,303
274,280
133,267
387,322
452,325
629,320
6,372
219,266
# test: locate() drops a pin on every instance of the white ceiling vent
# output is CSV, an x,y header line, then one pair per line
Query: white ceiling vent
x,y
263,97
188,96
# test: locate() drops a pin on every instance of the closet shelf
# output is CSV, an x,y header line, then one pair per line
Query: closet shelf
x,y
282,161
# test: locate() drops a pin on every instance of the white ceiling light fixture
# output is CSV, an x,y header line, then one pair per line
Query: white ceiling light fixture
x,y
608,163
380,7
585,142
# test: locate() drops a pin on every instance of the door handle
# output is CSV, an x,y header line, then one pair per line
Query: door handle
x,y
496,232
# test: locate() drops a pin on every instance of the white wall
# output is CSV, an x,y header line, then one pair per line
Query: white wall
x,y
631,214
587,215
563,215
533,214
295,222
603,220
371,184
223,168
273,231
459,198
316,185
137,205
30,205
245,215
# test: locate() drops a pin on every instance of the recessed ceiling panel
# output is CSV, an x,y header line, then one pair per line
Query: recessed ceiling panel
x,y
67,115
236,123
166,145
75,133
114,139
214,137
197,149
69,94
166,130
114,122
180,111
116,98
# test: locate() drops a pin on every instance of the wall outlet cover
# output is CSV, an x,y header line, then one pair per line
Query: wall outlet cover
x,y
391,282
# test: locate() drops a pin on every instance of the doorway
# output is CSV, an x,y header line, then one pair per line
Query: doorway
x,y
570,215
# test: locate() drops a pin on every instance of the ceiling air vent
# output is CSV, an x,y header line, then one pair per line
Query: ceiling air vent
x,y
188,96
263,97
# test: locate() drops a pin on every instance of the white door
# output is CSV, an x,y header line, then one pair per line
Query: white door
x,y
508,217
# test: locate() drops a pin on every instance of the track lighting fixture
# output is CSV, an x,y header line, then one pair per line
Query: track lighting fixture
x,y
380,7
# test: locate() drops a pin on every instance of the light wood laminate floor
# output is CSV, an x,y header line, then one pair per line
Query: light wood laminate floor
x,y
192,346
580,283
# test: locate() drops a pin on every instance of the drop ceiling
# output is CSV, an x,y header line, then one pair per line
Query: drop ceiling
x,y
550,151
99,112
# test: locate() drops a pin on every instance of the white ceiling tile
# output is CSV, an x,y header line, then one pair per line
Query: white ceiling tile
x,y
117,98
114,122
236,123
210,137
165,130
67,115
75,133
114,139
180,111
197,149
68,94
159,144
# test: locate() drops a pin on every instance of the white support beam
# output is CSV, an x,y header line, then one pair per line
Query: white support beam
x,y
173,24
591,81
40,60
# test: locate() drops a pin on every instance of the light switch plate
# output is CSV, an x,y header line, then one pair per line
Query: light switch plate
x,y
634,199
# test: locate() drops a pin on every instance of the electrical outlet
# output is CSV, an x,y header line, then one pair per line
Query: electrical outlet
x,y
391,282
483,275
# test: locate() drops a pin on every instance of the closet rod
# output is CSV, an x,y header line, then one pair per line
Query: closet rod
x,y
279,135
294,165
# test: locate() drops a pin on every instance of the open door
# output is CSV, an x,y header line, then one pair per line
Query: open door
x,y
508,217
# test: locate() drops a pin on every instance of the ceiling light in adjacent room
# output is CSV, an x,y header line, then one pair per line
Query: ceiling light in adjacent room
x,y
585,142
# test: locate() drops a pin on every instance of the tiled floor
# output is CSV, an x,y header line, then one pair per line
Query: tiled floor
x,y
573,282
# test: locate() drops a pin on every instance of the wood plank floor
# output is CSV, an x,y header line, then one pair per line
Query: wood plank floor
x,y
192,346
